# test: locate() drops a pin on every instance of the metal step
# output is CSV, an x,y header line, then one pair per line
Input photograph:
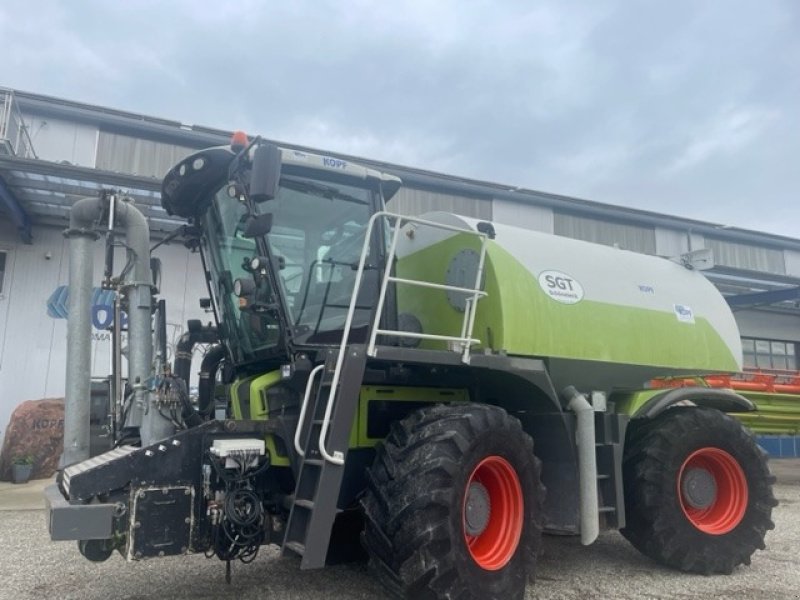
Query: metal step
x,y
610,430
295,547
95,461
319,481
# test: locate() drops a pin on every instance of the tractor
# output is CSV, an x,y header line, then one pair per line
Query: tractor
x,y
431,393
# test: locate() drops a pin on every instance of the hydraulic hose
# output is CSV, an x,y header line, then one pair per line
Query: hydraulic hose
x,y
208,376
196,334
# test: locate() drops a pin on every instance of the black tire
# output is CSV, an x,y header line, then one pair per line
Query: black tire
x,y
415,500
664,523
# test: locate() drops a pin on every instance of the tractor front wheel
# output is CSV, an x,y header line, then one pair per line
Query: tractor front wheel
x,y
698,492
453,505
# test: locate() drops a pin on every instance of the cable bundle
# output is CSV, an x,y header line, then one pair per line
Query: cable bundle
x,y
240,531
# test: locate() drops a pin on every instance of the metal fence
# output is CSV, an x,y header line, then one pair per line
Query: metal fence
x,y
14,138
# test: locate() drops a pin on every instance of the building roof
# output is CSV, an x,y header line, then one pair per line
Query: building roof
x,y
40,192
45,190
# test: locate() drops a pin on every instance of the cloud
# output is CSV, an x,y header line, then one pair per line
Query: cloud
x,y
731,131
681,107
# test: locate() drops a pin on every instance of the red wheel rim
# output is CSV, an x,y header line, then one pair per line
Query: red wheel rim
x,y
728,503
496,543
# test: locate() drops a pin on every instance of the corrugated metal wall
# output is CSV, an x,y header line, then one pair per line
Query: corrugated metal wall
x,y
791,259
522,214
136,156
60,140
746,256
410,201
622,235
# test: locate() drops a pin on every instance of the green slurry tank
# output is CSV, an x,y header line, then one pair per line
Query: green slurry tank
x,y
604,317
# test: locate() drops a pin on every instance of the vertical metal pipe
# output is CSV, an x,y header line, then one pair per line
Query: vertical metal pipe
x,y
587,464
152,426
79,330
116,366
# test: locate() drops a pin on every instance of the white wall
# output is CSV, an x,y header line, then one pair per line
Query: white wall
x,y
33,345
519,214
792,261
671,242
57,140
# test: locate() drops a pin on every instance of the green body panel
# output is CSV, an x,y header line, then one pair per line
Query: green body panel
x,y
359,437
518,317
358,434
777,414
431,307
258,410
629,402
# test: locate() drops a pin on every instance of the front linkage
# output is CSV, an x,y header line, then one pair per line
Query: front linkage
x,y
204,489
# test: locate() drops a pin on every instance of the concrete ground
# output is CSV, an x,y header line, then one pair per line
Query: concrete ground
x,y
28,496
31,567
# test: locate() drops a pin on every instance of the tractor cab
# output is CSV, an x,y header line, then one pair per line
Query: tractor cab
x,y
281,233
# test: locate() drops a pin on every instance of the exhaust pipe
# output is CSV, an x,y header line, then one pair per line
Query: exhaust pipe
x,y
587,464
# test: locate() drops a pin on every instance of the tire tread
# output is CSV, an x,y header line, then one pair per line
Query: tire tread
x,y
412,483
656,525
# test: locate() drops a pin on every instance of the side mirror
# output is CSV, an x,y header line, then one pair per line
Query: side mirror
x,y
257,225
266,172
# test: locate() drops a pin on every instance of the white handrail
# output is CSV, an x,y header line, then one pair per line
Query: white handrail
x,y
348,322
302,418
470,308
387,272
427,336
469,313
437,286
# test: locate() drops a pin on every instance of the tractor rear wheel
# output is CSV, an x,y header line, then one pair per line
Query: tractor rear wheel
x,y
698,491
453,505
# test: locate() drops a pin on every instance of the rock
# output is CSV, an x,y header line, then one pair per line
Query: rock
x,y
36,428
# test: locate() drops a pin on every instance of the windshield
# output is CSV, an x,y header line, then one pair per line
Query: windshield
x,y
317,234
247,333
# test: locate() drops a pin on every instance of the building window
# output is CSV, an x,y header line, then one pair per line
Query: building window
x,y
2,270
609,233
769,354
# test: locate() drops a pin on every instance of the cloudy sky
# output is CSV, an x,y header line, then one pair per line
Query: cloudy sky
x,y
688,107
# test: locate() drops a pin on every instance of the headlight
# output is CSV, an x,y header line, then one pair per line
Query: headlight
x,y
243,287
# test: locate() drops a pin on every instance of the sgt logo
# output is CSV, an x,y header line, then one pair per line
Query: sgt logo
x,y
561,287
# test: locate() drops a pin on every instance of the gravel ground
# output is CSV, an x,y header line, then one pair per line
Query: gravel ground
x,y
32,567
